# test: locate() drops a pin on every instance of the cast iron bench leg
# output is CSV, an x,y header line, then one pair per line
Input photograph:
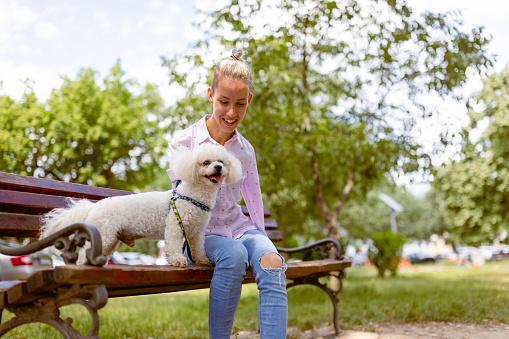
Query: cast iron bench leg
x,y
333,294
46,310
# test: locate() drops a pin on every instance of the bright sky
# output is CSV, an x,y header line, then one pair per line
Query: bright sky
x,y
43,40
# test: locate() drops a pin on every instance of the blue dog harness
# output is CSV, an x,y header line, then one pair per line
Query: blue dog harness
x,y
175,196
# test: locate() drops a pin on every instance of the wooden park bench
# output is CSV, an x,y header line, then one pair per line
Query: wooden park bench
x,y
38,298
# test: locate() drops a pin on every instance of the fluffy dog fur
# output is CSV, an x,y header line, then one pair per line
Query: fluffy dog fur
x,y
149,216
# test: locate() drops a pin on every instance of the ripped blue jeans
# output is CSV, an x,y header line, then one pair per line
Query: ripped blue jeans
x,y
232,257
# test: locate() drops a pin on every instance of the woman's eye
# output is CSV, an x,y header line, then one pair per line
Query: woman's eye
x,y
224,102
206,163
239,104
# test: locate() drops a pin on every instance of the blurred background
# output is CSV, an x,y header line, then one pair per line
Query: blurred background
x,y
351,100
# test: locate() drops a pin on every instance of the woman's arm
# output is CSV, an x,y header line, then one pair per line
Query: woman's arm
x,y
252,194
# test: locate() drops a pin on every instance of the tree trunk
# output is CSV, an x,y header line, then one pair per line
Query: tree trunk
x,y
331,217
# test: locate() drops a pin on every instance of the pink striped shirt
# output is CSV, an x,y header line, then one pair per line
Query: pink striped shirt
x,y
227,218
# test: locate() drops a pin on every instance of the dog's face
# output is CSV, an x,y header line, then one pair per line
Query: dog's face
x,y
213,170
209,164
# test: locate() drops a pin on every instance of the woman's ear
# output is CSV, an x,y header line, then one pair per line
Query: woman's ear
x,y
210,95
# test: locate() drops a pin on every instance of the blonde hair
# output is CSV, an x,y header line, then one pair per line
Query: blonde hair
x,y
233,68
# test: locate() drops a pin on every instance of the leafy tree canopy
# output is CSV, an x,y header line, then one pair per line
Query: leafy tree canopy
x,y
475,188
87,133
420,219
336,93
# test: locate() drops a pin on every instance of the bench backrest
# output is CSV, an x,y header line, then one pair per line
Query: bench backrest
x,y
23,199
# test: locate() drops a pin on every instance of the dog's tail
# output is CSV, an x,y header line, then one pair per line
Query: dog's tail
x,y
60,218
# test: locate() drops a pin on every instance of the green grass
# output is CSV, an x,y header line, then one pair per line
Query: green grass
x,y
452,295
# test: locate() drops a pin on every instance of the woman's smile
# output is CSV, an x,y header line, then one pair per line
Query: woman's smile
x,y
230,122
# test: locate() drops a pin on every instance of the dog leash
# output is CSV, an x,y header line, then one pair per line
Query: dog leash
x,y
176,196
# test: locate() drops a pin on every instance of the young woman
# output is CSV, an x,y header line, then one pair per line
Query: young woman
x,y
233,242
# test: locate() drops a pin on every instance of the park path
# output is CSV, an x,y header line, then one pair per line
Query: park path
x,y
431,330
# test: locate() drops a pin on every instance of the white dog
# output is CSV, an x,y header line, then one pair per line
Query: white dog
x,y
151,215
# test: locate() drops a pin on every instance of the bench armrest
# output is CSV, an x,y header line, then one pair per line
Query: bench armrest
x,y
324,246
67,240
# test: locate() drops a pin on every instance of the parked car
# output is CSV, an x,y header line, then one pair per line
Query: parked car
x,y
489,251
422,258
21,267
451,257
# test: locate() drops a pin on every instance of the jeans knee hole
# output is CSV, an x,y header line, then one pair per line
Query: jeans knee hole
x,y
273,262
275,271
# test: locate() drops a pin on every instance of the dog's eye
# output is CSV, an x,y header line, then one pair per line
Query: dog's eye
x,y
206,163
221,161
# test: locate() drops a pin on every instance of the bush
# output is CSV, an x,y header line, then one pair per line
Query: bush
x,y
386,251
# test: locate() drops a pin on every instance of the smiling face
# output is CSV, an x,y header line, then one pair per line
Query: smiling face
x,y
229,101
213,170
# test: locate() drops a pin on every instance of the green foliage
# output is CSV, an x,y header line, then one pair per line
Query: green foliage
x,y
387,251
475,188
85,133
328,120
421,218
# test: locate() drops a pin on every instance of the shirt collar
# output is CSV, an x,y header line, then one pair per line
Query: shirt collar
x,y
203,133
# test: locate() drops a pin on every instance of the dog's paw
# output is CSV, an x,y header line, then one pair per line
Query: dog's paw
x,y
178,262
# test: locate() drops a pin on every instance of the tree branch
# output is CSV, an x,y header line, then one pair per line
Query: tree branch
x,y
320,201
346,190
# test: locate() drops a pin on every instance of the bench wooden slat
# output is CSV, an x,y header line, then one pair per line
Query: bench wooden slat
x,y
29,203
275,235
39,284
18,293
266,212
19,225
132,275
4,287
270,223
121,276
16,182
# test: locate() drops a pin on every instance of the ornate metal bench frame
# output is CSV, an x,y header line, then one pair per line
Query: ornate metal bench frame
x,y
47,309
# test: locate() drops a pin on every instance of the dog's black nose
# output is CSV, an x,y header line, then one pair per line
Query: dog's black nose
x,y
218,168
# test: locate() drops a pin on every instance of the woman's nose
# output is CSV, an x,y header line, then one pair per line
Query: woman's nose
x,y
231,111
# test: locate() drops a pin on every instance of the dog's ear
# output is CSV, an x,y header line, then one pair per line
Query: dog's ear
x,y
185,166
234,170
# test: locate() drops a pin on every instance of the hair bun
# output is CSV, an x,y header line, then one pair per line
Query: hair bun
x,y
236,53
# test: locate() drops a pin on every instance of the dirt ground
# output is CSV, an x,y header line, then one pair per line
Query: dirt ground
x,y
433,330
